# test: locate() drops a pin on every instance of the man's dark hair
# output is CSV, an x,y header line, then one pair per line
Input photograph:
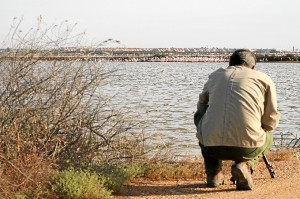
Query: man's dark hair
x,y
243,57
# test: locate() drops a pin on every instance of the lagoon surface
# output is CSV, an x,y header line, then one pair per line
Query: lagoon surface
x,y
165,95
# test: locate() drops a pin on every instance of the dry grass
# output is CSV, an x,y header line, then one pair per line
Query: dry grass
x,y
193,168
283,154
175,170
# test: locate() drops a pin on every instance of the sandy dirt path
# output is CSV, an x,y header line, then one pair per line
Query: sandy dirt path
x,y
285,185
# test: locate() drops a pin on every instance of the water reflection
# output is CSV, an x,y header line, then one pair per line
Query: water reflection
x,y
166,94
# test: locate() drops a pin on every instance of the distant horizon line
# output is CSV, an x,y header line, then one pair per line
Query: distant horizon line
x,y
169,48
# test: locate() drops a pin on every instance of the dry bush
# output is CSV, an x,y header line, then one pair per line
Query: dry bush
x,y
53,111
29,174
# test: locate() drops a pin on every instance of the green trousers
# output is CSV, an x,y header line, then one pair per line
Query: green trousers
x,y
213,155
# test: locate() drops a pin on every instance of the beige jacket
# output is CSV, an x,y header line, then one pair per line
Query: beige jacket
x,y
242,105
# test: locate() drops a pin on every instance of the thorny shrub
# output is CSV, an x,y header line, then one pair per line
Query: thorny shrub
x,y
52,111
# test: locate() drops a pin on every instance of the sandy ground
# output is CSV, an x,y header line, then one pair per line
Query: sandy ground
x,y
285,185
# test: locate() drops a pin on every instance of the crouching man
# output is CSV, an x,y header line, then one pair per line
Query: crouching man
x,y
236,112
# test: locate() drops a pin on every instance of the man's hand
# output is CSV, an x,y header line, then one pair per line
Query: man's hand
x,y
199,113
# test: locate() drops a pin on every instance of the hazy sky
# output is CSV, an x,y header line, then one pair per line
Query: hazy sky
x,y
169,23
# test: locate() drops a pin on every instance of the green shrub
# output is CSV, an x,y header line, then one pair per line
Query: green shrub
x,y
80,184
115,177
19,196
136,170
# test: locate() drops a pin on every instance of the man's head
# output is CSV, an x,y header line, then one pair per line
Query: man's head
x,y
243,57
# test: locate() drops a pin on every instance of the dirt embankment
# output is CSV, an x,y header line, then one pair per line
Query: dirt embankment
x,y
285,185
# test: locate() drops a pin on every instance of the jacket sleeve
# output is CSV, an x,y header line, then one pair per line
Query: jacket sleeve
x,y
270,118
202,105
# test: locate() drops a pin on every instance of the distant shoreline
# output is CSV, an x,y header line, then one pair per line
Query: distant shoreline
x,y
147,57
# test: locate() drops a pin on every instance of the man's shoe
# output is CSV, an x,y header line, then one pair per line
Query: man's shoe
x,y
215,180
241,172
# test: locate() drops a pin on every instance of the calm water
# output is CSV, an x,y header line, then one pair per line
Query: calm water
x,y
166,94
